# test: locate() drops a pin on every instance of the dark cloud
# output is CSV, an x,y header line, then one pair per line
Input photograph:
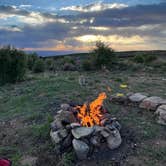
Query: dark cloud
x,y
13,10
129,16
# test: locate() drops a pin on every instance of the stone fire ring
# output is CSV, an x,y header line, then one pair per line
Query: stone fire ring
x,y
66,133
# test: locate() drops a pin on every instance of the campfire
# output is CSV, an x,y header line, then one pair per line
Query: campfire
x,y
91,114
85,128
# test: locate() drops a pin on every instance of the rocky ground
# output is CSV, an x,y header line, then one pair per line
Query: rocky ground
x,y
26,110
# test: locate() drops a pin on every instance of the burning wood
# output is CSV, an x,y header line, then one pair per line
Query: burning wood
x,y
90,114
84,128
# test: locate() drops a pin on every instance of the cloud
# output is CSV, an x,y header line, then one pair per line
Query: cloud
x,y
95,7
25,6
132,27
129,16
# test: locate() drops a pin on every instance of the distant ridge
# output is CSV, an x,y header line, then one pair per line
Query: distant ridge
x,y
119,53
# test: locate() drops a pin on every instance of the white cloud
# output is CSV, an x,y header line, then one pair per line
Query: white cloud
x,y
12,29
25,6
95,7
110,39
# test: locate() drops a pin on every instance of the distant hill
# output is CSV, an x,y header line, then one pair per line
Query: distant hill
x,y
122,54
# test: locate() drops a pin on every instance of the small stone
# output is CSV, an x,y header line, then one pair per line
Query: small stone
x,y
161,114
105,134
58,136
95,140
116,124
81,149
60,111
81,132
137,97
65,107
98,128
114,140
74,125
28,160
151,103
55,137
67,141
53,126
63,133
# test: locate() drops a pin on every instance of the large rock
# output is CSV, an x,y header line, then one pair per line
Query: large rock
x,y
81,132
58,136
161,114
119,99
114,140
63,118
151,103
137,97
81,149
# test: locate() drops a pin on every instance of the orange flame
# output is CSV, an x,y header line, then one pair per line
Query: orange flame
x,y
91,114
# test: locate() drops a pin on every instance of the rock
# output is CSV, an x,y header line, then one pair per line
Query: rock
x,y
53,126
74,125
65,107
151,103
95,140
119,99
81,149
59,111
137,97
58,136
117,125
114,125
114,140
129,94
28,160
98,129
161,114
64,118
67,141
105,134
81,132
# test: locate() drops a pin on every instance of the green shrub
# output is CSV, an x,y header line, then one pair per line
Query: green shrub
x,y
12,65
49,64
103,55
87,65
145,59
39,66
139,59
31,58
149,58
69,67
67,59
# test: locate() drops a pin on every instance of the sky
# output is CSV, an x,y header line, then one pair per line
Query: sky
x,y
76,25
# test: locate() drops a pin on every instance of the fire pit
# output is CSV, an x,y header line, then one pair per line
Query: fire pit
x,y
85,128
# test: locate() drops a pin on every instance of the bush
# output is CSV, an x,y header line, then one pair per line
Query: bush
x,y
12,65
49,64
149,58
39,66
68,67
87,65
139,59
67,59
31,58
145,59
103,55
